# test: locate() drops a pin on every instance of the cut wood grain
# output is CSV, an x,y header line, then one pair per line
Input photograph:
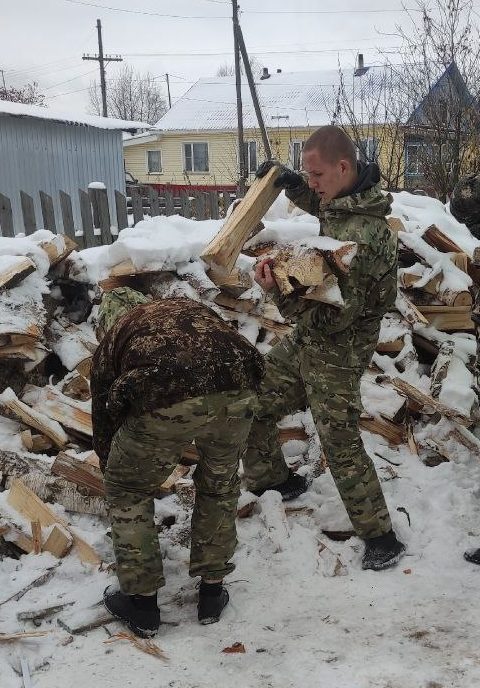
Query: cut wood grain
x,y
36,536
80,473
14,269
448,318
224,249
59,541
393,432
23,500
428,403
34,418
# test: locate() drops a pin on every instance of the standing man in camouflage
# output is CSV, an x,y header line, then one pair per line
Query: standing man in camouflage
x,y
321,364
167,373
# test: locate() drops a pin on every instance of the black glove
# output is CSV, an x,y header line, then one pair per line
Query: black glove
x,y
287,179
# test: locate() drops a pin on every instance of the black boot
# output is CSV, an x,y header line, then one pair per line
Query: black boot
x,y
212,600
473,556
139,612
292,487
382,552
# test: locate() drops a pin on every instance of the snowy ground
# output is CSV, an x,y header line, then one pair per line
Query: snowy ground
x,y
414,626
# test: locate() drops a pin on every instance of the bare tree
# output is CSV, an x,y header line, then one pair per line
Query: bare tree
x,y
440,76
130,96
229,69
28,94
372,110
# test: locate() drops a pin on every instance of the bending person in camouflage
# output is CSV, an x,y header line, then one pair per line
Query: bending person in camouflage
x,y
152,393
322,363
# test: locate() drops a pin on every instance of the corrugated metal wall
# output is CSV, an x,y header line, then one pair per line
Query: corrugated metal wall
x,y
41,155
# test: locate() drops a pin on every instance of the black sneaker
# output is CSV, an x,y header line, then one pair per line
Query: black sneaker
x,y
382,552
139,612
212,600
292,487
473,556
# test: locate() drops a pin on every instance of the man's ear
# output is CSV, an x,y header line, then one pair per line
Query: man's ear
x,y
344,167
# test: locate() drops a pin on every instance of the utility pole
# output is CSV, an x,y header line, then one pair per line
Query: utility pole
x,y
238,84
168,91
102,60
253,92
3,78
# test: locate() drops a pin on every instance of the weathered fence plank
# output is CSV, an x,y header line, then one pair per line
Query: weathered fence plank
x,y
227,201
48,213
89,238
185,204
214,210
6,217
28,213
67,215
154,202
200,205
121,210
101,214
137,205
169,206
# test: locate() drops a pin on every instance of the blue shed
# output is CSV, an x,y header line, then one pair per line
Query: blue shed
x,y
52,151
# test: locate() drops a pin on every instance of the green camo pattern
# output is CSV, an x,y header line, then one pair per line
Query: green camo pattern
x,y
117,303
144,452
322,363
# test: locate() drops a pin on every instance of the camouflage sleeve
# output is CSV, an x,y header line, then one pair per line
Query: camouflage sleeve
x,y
103,428
304,198
287,305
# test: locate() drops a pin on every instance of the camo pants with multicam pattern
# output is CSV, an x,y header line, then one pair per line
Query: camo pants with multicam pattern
x,y
301,375
144,452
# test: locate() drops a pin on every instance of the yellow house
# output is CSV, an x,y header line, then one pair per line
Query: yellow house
x,y
195,143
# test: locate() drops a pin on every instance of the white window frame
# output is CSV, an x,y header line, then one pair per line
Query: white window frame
x,y
194,143
370,151
293,144
251,169
409,172
147,161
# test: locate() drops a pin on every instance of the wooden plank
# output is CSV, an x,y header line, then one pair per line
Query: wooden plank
x,y
137,204
227,201
169,206
154,202
67,215
6,217
89,237
394,433
26,502
36,536
15,271
213,201
28,213
200,206
101,214
48,212
34,419
121,210
80,473
225,247
59,541
186,206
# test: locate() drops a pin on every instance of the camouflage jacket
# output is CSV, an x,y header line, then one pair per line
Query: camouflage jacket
x,y
369,289
161,353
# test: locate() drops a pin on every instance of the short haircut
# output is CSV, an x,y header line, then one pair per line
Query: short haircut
x,y
333,144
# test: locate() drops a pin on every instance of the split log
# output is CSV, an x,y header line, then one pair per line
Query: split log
x,y
238,305
428,403
14,269
393,432
58,251
235,283
59,541
448,296
409,311
49,488
35,443
69,412
275,520
392,347
177,474
80,473
308,269
26,502
84,368
224,249
436,238
395,224
448,318
77,388
36,536
33,418
328,292
440,368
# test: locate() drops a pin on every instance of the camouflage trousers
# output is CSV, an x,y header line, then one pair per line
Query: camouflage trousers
x,y
144,452
298,376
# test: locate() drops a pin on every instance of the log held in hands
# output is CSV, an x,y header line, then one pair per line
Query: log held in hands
x,y
224,249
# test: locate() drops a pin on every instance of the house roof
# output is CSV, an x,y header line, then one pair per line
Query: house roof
x,y
8,108
287,99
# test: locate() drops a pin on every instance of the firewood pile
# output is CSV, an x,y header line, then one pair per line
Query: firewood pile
x,y
418,391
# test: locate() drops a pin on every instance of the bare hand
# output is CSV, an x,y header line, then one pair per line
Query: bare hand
x,y
264,276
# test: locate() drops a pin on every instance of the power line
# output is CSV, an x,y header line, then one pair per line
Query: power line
x,y
67,81
144,12
262,52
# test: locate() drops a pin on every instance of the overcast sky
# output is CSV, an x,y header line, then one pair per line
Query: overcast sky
x,y
43,40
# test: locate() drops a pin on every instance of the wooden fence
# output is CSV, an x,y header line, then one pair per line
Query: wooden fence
x,y
100,223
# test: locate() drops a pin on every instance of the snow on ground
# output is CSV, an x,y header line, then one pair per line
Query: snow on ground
x,y
414,626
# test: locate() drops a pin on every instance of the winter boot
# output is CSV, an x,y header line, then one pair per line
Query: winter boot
x,y
292,487
212,600
139,612
382,552
473,556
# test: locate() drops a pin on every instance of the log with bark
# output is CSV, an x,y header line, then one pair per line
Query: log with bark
x,y
448,296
